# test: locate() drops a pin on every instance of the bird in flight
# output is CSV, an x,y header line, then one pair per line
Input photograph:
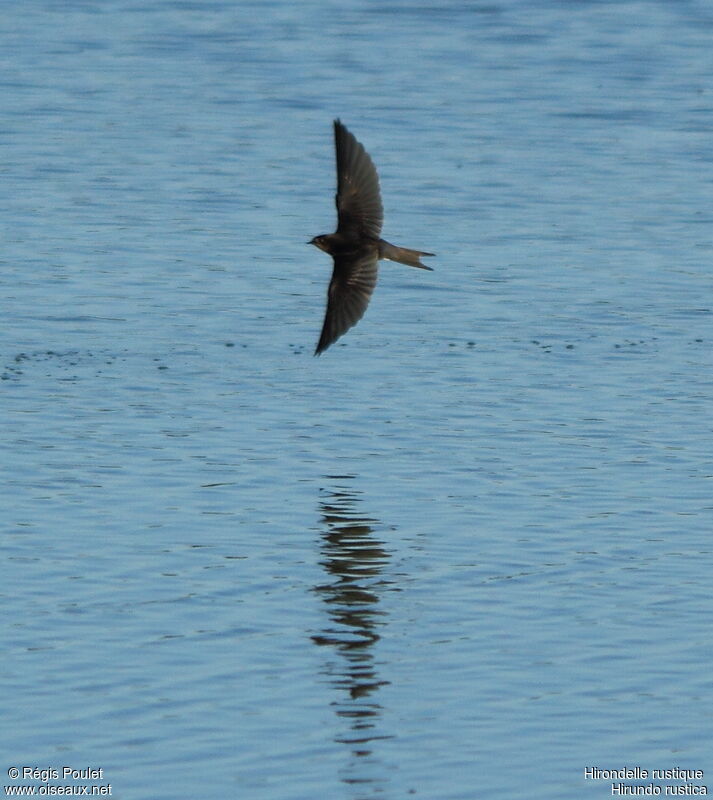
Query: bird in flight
x,y
355,246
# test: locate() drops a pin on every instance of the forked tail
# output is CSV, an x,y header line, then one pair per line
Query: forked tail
x,y
403,255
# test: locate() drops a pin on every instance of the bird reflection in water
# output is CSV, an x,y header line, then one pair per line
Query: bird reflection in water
x,y
354,560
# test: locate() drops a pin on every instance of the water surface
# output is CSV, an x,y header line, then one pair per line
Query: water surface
x,y
464,553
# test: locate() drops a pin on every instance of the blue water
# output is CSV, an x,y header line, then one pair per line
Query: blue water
x,y
464,553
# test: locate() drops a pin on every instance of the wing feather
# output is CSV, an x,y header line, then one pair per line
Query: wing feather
x,y
358,197
350,290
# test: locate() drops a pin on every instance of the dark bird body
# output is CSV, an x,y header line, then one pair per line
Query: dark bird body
x,y
355,246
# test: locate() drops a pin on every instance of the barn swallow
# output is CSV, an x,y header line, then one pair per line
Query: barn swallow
x,y
355,246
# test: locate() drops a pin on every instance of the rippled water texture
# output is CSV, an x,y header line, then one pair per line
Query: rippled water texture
x,y
464,553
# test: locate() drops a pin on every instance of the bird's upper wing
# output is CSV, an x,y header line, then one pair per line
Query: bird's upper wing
x,y
350,290
358,197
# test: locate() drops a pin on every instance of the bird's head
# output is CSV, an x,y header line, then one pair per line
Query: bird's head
x,y
319,241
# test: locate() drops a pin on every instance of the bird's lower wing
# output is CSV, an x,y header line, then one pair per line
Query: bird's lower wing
x,y
350,290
